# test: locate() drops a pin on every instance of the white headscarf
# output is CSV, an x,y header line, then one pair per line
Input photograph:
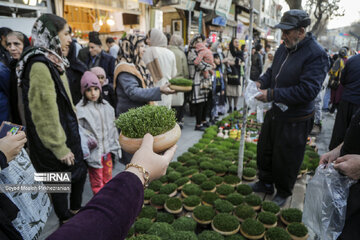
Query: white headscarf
x,y
157,38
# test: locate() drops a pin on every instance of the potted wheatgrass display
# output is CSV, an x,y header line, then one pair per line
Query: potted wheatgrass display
x,y
277,233
203,214
254,201
268,219
158,200
198,178
181,84
148,212
210,235
232,180
191,202
169,189
223,206
148,193
225,224
173,205
181,182
252,229
182,235
244,189
184,224
290,215
191,189
142,225
297,231
159,121
208,186
165,217
244,212
208,198
235,198
224,190
162,230
249,174
268,206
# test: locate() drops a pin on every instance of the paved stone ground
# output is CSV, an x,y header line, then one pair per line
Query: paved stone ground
x,y
188,138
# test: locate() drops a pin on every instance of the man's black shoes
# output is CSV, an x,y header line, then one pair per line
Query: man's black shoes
x,y
279,200
262,187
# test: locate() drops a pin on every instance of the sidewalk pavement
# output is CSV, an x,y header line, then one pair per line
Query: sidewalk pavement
x,y
188,138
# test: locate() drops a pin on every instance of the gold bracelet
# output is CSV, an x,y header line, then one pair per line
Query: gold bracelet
x,y
143,171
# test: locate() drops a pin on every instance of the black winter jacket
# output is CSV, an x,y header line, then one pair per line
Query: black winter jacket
x,y
350,79
74,73
107,62
41,157
256,66
295,77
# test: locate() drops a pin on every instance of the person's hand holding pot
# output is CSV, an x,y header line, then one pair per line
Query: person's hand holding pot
x,y
153,163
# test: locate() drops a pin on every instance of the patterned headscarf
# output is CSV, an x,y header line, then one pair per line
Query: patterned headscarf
x,y
129,53
46,41
195,39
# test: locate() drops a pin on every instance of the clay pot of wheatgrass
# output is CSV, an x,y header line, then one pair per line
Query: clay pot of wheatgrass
x,y
159,121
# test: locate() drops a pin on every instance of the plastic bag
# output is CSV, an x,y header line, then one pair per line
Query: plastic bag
x,y
325,202
251,92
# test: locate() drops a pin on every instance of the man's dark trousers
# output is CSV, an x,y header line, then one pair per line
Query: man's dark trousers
x,y
280,150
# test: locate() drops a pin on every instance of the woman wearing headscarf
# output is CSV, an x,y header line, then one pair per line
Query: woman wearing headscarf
x,y
133,80
160,61
176,44
16,43
233,84
200,90
51,122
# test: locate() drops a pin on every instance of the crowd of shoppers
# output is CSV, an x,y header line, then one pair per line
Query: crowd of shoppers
x,y
57,91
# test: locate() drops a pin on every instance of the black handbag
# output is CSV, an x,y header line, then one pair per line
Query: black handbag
x,y
233,77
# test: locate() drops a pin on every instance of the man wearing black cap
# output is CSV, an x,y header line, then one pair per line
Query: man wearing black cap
x,y
291,83
99,58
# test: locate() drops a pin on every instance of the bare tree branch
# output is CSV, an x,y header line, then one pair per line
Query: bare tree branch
x,y
294,4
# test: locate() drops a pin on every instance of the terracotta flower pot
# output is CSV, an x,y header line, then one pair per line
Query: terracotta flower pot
x,y
249,178
200,221
255,207
267,226
190,209
225,233
283,220
251,237
173,211
161,142
180,88
293,237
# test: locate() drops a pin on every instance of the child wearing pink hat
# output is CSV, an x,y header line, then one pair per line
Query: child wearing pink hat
x,y
97,116
107,92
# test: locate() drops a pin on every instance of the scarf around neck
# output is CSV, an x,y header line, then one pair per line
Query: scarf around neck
x,y
129,53
46,42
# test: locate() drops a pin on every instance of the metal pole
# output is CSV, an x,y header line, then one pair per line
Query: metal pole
x,y
247,78
189,28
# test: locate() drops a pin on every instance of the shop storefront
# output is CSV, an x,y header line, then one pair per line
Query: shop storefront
x,y
20,15
110,18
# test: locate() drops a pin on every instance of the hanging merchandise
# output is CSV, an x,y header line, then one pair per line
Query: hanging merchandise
x,y
220,21
223,7
208,4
